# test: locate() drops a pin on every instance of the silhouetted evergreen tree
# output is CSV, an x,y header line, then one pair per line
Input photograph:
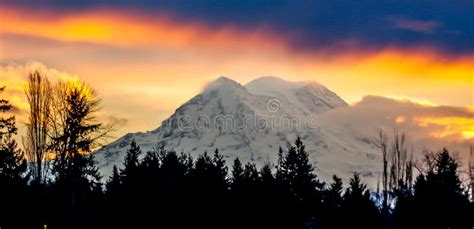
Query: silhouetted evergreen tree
x,y
13,172
13,167
134,195
238,197
151,165
332,204
74,138
212,171
335,192
175,166
237,175
151,178
114,201
209,180
12,161
270,199
220,170
131,163
404,213
333,196
75,133
440,201
266,175
251,176
295,173
203,167
359,211
114,183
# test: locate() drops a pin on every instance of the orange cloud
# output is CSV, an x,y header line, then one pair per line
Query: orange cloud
x,y
451,126
111,27
420,75
400,119
419,65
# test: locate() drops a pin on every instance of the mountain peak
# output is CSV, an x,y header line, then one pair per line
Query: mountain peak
x,y
271,78
224,79
273,82
313,83
276,83
222,82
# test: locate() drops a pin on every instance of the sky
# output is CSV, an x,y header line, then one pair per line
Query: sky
x,y
148,57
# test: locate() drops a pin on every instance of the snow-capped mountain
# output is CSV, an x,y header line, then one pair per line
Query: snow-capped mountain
x,y
251,121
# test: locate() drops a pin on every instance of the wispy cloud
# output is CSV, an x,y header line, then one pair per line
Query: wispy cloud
x,y
119,121
427,126
422,26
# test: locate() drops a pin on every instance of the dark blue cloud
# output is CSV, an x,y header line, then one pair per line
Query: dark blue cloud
x,y
316,24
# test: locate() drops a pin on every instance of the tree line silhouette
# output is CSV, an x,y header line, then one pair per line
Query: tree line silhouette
x,y
53,182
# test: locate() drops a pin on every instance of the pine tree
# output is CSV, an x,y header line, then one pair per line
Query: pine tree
x,y
266,175
238,198
174,165
335,193
203,166
440,200
251,176
295,171
133,184
13,175
220,169
210,185
149,171
283,166
12,161
151,162
332,205
114,182
114,201
13,166
188,164
75,132
296,177
131,162
269,194
356,190
359,209
237,174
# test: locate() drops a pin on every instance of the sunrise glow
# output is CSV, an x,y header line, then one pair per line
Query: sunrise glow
x,y
306,114
164,58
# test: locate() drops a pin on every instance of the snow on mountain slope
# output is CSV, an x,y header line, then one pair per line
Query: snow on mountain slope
x,y
251,122
310,96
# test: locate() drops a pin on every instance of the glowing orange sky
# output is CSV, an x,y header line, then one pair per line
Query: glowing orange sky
x,y
109,27
156,63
